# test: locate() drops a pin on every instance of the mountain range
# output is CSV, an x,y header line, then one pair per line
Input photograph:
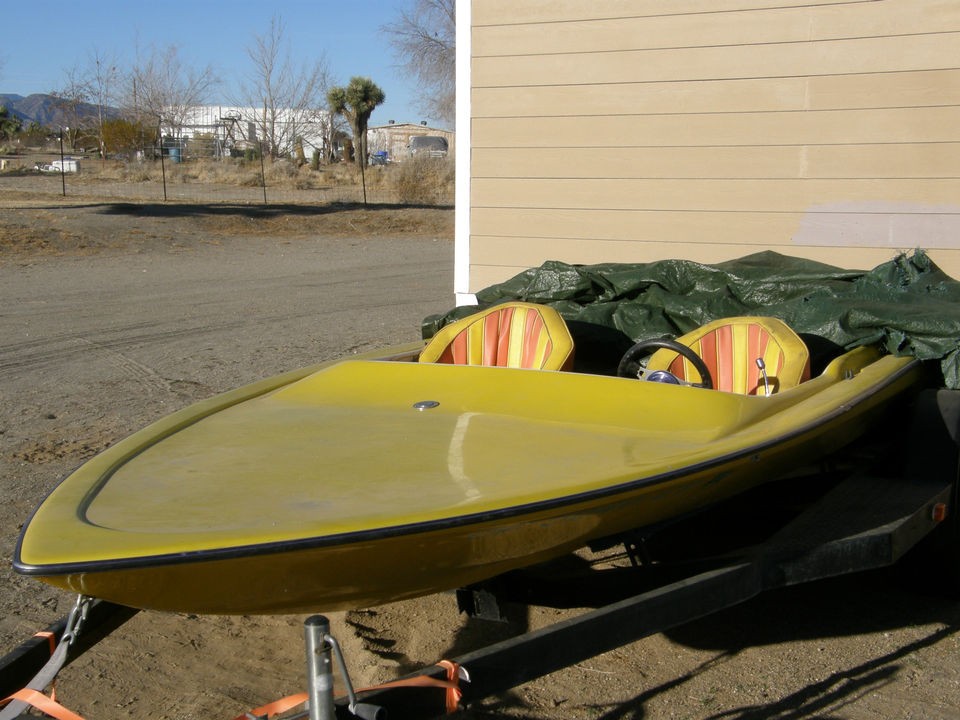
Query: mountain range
x,y
46,110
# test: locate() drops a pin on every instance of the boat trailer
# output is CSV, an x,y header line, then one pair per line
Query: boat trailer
x,y
866,520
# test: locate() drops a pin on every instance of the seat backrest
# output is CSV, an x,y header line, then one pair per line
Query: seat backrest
x,y
730,348
515,334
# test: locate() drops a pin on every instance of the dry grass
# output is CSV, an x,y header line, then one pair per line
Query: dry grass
x,y
416,181
423,180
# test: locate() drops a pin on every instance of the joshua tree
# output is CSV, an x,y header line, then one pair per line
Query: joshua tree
x,y
356,102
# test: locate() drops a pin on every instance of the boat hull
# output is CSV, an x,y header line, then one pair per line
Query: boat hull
x,y
500,469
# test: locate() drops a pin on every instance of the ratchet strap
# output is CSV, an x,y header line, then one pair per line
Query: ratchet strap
x,y
452,686
46,705
13,706
274,708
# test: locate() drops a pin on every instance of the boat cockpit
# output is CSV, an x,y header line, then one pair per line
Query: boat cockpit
x,y
744,355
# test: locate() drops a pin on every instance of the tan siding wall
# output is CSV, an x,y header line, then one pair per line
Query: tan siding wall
x,y
633,130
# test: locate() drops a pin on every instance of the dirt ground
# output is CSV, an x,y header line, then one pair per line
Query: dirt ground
x,y
114,314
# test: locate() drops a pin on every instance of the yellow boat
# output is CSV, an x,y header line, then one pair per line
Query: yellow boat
x,y
417,470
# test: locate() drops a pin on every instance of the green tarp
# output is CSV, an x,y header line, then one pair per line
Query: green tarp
x,y
908,305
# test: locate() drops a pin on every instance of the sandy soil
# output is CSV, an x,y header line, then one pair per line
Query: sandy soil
x,y
112,315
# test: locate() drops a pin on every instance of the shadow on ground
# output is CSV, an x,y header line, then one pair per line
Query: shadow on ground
x,y
265,211
865,603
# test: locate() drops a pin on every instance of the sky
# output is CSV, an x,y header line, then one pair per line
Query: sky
x,y
41,43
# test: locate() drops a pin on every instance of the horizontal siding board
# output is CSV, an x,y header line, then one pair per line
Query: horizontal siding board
x,y
897,125
933,160
861,55
778,25
500,12
511,225
654,98
532,253
891,90
633,163
930,160
899,226
860,91
707,195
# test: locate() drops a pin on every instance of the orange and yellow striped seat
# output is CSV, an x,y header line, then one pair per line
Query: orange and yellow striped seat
x,y
515,334
731,347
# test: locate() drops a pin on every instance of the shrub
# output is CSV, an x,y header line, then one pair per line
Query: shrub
x,y
424,181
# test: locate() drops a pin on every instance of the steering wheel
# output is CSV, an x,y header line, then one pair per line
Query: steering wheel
x,y
630,362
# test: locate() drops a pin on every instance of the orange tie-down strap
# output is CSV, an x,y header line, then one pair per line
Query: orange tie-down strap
x,y
46,705
451,685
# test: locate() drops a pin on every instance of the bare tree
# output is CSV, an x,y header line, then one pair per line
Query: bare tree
x,y
160,89
95,83
71,101
102,82
286,102
424,38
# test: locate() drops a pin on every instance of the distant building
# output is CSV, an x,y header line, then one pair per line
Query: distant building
x,y
394,139
230,130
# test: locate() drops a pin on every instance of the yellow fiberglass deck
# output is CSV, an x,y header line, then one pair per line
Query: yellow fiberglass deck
x,y
367,481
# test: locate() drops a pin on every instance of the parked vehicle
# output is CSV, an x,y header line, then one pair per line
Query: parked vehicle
x,y
68,165
428,145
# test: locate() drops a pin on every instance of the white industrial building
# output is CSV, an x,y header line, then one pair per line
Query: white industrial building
x,y
228,130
